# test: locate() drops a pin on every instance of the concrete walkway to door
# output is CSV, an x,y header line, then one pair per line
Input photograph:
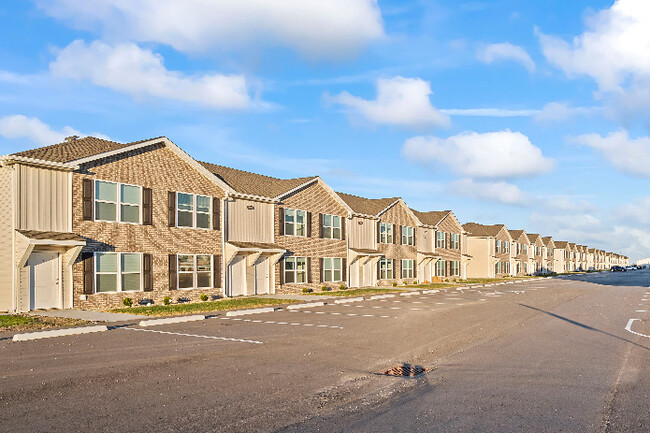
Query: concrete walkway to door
x,y
91,316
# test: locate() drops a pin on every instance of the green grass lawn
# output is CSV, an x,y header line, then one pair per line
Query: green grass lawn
x,y
203,307
357,292
20,322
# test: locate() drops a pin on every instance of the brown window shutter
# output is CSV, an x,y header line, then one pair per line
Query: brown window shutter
x,y
147,272
308,224
415,268
320,225
378,231
344,221
282,271
344,270
173,284
216,271
87,199
396,272
171,208
379,269
395,235
281,219
415,236
147,208
309,279
89,273
216,208
321,269
399,231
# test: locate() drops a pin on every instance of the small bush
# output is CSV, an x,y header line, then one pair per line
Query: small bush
x,y
204,297
394,283
343,287
404,283
324,289
127,302
307,290
167,300
183,299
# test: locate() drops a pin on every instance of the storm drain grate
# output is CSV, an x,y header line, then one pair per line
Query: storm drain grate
x,y
405,370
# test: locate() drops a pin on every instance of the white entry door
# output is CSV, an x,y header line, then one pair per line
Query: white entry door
x,y
262,276
44,280
367,273
237,276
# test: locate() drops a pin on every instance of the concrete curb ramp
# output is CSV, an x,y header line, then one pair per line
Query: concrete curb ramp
x,y
168,320
343,301
252,311
309,305
59,333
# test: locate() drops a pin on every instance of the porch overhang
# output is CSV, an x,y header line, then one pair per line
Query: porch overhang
x,y
27,240
358,253
253,250
423,256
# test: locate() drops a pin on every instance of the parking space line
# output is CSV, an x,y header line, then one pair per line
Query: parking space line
x,y
273,322
348,314
211,337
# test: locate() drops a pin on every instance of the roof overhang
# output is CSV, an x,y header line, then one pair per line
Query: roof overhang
x,y
15,159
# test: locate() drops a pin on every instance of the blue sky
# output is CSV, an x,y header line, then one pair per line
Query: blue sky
x,y
532,114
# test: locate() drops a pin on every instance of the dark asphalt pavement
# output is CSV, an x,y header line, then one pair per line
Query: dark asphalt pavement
x,y
545,355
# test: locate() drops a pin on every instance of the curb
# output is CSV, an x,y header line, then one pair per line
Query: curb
x,y
253,311
59,333
343,301
182,319
410,294
309,305
381,296
427,292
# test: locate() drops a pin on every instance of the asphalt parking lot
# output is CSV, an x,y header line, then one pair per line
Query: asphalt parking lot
x,y
510,350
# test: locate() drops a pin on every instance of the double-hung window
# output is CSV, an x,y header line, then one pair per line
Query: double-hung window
x,y
295,222
454,240
332,269
193,210
497,268
441,268
117,202
440,240
408,235
506,267
331,226
386,233
295,270
497,247
506,245
386,269
408,268
455,268
194,271
118,272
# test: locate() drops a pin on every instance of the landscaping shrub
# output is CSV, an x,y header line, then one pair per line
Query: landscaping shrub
x,y
394,283
204,297
343,287
127,302
307,290
167,300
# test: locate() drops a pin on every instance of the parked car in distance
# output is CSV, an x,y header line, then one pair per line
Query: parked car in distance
x,y
618,269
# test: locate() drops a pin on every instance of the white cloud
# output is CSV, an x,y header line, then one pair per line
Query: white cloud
x,y
628,155
489,112
496,155
33,129
400,101
560,111
502,192
316,29
130,69
506,51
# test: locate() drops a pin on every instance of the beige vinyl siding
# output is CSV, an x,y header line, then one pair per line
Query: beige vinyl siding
x,y
6,239
425,239
481,251
361,233
43,199
249,225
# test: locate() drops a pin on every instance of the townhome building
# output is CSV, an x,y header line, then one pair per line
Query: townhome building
x,y
582,257
537,261
551,259
522,255
591,259
573,256
489,246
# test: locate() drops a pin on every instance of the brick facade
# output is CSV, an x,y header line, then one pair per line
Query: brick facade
x,y
448,226
399,216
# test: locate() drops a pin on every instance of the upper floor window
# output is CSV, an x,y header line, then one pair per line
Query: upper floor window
x,y
295,223
193,210
408,235
454,241
118,272
440,240
117,202
331,226
194,271
497,246
386,233
506,245
408,268
386,269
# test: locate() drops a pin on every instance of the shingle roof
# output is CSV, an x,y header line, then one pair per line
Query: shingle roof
x,y
476,229
547,240
75,149
367,206
515,234
432,218
257,245
533,237
561,244
245,182
54,236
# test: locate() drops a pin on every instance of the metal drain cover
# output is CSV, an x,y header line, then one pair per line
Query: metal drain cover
x,y
405,370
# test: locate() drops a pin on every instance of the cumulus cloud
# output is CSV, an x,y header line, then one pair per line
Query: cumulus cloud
x,y
628,155
502,192
36,131
506,51
400,101
489,112
315,29
496,155
560,111
129,69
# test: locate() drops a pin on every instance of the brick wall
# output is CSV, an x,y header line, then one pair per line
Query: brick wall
x,y
448,225
398,215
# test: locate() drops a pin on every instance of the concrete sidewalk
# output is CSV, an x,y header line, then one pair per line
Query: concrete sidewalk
x,y
91,316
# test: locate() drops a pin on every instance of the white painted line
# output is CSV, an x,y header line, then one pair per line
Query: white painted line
x,y
440,303
342,301
59,333
272,322
345,314
168,320
253,311
642,311
309,305
628,328
382,296
210,337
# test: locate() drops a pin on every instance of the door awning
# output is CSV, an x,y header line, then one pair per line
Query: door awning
x,y
253,250
52,238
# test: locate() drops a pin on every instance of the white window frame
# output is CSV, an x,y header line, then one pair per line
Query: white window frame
x,y
454,268
454,241
442,268
118,272
497,246
386,266
332,226
441,240
329,265
295,271
506,244
408,235
408,265
194,272
386,233
497,268
195,211
118,203
506,266
295,222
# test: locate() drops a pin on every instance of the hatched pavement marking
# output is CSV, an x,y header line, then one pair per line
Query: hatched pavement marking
x,y
211,337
